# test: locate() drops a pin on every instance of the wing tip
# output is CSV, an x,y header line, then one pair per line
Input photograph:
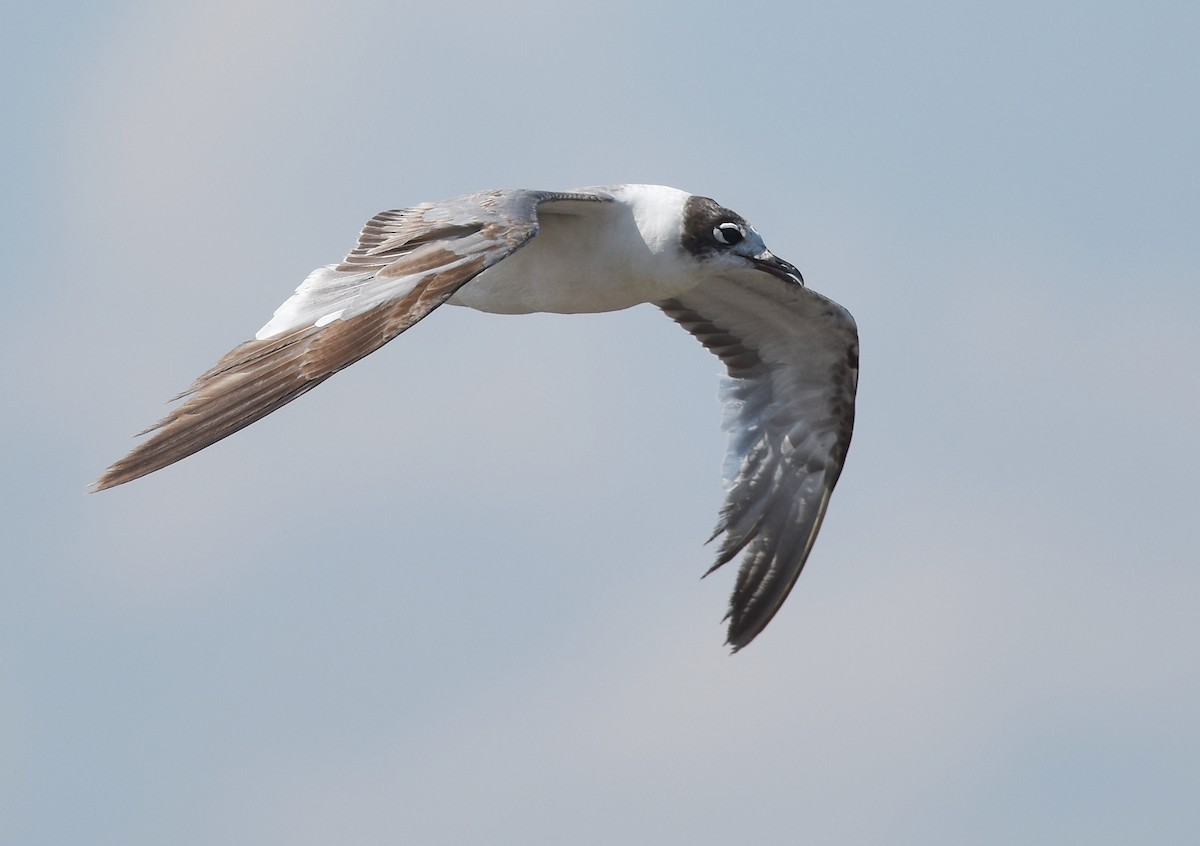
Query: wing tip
x,y
119,474
739,636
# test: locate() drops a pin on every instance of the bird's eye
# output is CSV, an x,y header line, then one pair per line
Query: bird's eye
x,y
729,233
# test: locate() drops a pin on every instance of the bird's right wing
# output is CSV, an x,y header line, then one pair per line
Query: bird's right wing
x,y
407,262
792,358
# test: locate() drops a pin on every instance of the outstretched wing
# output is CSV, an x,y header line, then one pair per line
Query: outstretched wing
x,y
407,263
792,358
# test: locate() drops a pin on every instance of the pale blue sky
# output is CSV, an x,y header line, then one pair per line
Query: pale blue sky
x,y
452,596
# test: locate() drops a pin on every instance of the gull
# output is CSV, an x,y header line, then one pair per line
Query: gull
x,y
791,354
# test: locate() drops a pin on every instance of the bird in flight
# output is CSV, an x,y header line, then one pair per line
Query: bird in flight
x,y
791,354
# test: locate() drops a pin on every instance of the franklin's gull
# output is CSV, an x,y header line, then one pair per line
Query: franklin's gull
x,y
791,354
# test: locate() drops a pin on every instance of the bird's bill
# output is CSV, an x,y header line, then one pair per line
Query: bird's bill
x,y
776,266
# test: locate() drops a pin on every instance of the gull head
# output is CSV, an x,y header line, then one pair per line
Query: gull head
x,y
713,234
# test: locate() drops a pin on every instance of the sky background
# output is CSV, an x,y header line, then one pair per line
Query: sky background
x,y
453,595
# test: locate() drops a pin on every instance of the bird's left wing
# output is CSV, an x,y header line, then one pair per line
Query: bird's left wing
x,y
792,358
407,263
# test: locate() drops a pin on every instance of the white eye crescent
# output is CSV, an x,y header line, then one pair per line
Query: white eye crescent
x,y
729,233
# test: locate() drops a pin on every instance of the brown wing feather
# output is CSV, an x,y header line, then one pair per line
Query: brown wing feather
x,y
446,244
392,234
259,377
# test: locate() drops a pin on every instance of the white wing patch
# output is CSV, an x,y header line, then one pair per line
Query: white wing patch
x,y
329,318
329,294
